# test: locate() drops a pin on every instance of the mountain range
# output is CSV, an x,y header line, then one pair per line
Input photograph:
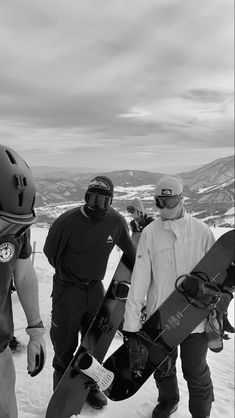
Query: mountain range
x,y
208,190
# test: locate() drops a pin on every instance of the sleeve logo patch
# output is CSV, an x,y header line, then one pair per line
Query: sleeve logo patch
x,y
7,251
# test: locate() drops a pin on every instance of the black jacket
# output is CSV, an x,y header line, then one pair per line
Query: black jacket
x,y
78,247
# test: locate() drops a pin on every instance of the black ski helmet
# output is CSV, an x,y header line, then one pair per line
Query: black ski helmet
x,y
17,189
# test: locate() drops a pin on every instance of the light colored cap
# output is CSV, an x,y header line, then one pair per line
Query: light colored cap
x,y
137,204
169,186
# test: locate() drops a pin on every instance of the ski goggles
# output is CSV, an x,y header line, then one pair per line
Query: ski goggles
x,y
10,228
167,202
99,200
130,209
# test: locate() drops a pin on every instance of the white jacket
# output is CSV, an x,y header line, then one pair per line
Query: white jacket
x,y
166,250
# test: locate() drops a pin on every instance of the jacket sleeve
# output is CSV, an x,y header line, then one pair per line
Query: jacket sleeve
x,y
210,240
140,282
26,249
125,243
55,242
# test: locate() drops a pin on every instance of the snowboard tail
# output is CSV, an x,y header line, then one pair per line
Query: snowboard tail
x,y
126,382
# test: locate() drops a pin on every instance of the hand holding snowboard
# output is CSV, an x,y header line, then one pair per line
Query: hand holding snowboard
x,y
137,351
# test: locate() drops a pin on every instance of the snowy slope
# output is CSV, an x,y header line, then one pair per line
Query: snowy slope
x,y
33,393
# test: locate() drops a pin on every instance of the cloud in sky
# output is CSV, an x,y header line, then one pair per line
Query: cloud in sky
x,y
121,84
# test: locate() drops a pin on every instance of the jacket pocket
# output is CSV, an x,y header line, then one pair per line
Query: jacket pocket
x,y
165,259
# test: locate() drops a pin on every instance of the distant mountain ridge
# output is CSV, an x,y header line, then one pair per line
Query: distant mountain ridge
x,y
209,190
217,172
42,171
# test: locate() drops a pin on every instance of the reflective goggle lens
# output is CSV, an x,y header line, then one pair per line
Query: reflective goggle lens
x,y
102,201
167,202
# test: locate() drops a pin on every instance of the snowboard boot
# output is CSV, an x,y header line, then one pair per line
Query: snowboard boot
x,y
164,409
15,344
96,399
168,391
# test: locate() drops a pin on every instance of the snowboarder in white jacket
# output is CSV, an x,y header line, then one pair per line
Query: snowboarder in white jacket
x,y
169,247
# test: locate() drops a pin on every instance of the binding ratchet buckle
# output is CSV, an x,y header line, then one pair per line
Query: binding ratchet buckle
x,y
120,290
200,292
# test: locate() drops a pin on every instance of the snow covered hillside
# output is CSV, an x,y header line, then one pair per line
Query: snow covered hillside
x,y
209,191
33,394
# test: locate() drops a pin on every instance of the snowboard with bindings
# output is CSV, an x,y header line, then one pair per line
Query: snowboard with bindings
x,y
208,287
72,390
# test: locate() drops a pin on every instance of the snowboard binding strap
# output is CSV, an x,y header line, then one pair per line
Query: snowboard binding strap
x,y
201,292
94,371
120,290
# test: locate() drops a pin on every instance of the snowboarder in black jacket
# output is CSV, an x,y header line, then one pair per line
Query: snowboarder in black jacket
x,y
78,246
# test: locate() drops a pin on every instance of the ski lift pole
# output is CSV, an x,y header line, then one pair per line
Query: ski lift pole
x,y
33,252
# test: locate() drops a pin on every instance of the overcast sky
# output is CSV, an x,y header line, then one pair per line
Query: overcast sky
x,y
115,84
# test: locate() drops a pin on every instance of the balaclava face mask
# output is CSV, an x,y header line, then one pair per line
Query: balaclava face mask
x,y
100,185
172,214
95,213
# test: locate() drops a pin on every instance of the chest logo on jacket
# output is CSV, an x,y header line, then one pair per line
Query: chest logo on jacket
x,y
109,239
7,251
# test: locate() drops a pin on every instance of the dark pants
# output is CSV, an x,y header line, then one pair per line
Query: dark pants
x,y
193,351
73,308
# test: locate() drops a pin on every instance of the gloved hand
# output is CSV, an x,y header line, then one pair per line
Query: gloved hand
x,y
137,351
36,349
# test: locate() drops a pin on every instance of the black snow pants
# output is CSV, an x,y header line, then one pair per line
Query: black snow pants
x,y
193,351
73,308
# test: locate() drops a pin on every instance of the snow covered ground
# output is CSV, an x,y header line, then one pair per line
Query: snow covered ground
x,y
33,394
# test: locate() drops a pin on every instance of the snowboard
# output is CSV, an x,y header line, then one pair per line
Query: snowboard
x,y
209,285
72,390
